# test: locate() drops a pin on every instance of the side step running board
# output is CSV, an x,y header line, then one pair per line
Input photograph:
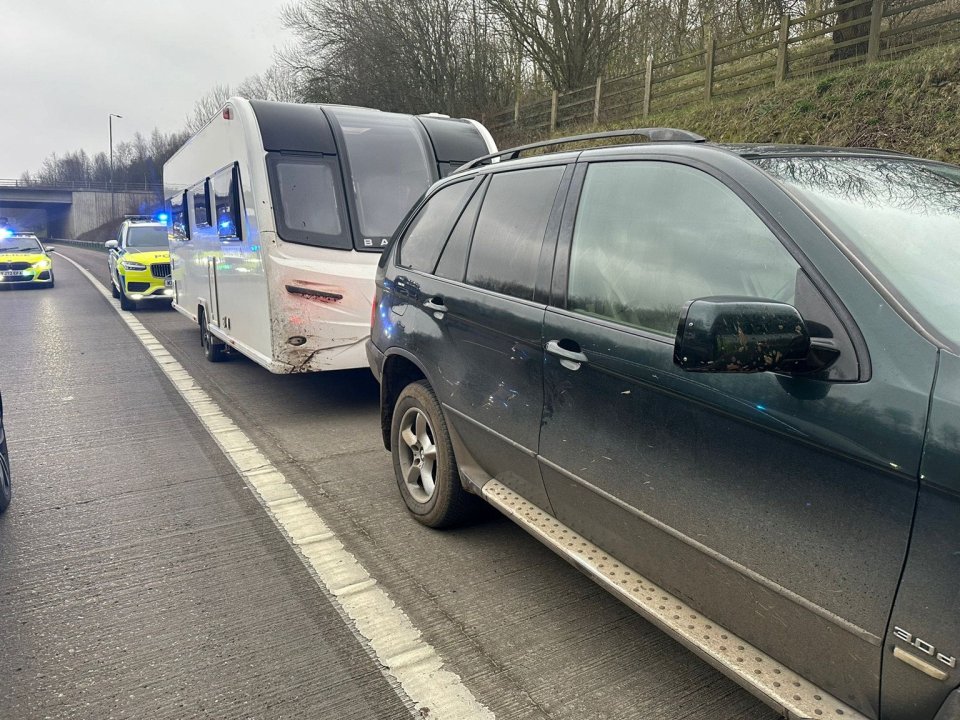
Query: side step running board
x,y
781,688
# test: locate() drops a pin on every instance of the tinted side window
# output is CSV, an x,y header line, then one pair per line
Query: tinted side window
x,y
651,236
453,259
423,241
510,229
226,203
201,205
308,200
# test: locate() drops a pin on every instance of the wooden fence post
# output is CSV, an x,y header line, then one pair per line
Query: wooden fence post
x,y
596,101
648,85
709,53
782,67
876,19
516,111
553,111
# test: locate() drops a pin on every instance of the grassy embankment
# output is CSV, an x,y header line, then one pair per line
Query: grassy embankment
x,y
911,104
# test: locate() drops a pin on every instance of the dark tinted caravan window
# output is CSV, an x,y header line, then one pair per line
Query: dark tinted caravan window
x,y
390,165
178,225
424,239
510,229
453,259
308,200
226,203
650,236
201,205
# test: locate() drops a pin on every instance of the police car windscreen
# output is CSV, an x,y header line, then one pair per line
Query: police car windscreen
x,y
154,236
391,166
20,245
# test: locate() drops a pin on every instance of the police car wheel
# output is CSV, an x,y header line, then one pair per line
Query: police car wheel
x,y
113,289
126,303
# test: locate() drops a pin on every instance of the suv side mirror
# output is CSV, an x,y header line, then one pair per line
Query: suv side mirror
x,y
49,249
739,335
110,244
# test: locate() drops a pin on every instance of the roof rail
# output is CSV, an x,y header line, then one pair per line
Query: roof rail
x,y
651,134
138,217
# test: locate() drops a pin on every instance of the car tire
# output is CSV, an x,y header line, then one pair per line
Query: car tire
x,y
213,349
113,289
423,461
52,281
6,489
125,302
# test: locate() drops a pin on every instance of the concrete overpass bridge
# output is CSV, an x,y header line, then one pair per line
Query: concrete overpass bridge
x,y
66,210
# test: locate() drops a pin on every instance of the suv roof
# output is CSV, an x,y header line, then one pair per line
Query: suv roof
x,y
669,136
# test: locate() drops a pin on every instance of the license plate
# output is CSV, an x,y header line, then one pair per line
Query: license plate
x,y
168,281
11,273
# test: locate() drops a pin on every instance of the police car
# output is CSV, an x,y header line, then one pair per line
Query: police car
x,y
140,262
23,260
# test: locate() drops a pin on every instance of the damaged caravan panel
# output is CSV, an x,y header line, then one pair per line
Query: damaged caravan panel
x,y
278,213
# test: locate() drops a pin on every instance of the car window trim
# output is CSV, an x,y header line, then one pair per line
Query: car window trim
x,y
558,296
467,286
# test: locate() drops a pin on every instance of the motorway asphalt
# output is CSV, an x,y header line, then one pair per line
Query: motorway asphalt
x,y
140,578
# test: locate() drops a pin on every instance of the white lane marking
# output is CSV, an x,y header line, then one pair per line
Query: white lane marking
x,y
411,664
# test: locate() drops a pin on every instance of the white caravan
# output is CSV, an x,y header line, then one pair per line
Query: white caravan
x,y
278,213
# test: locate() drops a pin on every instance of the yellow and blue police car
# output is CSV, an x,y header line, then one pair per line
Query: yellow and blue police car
x,y
23,260
140,262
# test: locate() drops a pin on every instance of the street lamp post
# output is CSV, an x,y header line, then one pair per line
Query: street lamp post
x,y
113,204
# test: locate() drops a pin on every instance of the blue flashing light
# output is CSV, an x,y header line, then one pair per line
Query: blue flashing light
x,y
5,233
225,224
162,217
761,408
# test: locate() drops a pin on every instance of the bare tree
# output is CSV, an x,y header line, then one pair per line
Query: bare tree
x,y
571,41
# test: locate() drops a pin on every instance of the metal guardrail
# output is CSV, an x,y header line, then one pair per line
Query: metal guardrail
x,y
54,242
83,185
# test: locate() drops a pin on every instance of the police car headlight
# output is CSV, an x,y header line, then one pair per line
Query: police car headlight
x,y
131,265
42,264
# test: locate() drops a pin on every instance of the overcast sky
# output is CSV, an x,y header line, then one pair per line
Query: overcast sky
x,y
65,65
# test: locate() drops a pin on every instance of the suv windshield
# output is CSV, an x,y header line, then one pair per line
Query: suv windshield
x,y
20,245
152,237
902,218
389,164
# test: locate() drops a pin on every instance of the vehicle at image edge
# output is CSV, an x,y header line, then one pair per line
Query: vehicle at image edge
x,y
24,261
723,381
6,490
278,213
139,262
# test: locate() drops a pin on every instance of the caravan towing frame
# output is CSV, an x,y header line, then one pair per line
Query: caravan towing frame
x,y
278,213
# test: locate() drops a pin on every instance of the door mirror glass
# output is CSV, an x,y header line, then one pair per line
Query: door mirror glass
x,y
736,335
110,244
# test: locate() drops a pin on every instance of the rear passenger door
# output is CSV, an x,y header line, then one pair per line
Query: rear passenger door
x,y
475,312
770,502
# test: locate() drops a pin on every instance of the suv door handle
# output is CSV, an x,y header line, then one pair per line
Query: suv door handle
x,y
570,359
435,304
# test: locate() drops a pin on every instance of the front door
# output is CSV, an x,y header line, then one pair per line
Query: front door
x,y
771,503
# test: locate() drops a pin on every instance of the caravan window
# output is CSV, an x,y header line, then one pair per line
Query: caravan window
x,y
178,225
200,200
390,166
226,203
308,200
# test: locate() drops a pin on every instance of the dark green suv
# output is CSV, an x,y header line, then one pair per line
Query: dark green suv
x,y
721,380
